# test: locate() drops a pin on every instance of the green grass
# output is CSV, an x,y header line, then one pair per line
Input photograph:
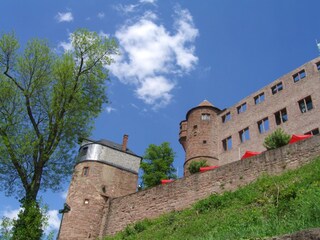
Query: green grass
x,y
268,207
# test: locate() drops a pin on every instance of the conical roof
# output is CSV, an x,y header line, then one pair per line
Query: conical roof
x,y
205,103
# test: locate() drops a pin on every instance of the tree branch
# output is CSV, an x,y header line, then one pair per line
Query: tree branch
x,y
14,160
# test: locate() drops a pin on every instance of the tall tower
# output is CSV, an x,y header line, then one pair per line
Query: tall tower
x,y
104,170
198,135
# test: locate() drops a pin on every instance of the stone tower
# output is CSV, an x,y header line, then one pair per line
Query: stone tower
x,y
198,135
104,170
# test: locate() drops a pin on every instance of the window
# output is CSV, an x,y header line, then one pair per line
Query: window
x,y
277,88
305,104
227,143
226,117
83,151
281,116
318,66
298,76
205,116
244,135
313,132
85,171
242,108
263,125
259,98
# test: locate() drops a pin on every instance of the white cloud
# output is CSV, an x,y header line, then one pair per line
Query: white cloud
x,y
148,1
53,221
12,214
64,17
134,106
101,15
152,56
110,109
103,34
53,218
155,91
64,194
66,46
126,8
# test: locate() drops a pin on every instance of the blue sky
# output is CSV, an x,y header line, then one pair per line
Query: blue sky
x,y
174,55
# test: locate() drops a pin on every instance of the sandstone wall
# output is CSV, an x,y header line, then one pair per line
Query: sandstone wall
x,y
184,192
297,123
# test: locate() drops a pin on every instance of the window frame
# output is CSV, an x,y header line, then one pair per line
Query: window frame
x,y
259,98
318,66
299,75
306,104
277,88
312,132
281,116
205,117
242,108
244,135
262,123
227,144
85,171
226,117
83,151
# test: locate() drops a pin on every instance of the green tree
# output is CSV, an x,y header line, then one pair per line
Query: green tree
x,y
195,166
6,228
276,139
157,164
47,102
29,225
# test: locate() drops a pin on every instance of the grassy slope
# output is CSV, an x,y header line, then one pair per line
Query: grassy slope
x,y
268,207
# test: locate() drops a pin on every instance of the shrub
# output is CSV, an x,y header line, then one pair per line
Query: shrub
x,y
195,166
276,139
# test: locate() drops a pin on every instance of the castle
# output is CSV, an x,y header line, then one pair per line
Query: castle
x,y
102,197
292,103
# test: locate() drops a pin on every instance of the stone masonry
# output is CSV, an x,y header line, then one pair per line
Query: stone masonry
x,y
292,103
182,193
102,197
105,170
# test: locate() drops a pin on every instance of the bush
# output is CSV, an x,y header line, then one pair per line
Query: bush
x,y
276,139
194,167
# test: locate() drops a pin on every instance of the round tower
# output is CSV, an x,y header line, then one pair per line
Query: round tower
x,y
104,170
198,135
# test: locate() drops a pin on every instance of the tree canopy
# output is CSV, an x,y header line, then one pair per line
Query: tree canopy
x,y
47,102
157,164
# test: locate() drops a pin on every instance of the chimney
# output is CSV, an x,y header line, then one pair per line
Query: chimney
x,y
124,142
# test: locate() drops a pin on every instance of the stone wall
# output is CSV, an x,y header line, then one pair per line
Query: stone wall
x,y
182,193
88,198
309,234
297,123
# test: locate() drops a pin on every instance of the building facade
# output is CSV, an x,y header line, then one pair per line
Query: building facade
x,y
291,102
105,170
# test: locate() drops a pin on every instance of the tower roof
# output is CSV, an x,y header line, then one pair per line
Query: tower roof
x,y
205,103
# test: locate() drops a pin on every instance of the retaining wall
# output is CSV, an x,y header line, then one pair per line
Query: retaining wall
x,y
182,193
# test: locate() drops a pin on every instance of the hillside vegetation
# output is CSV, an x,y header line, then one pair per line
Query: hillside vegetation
x,y
272,205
